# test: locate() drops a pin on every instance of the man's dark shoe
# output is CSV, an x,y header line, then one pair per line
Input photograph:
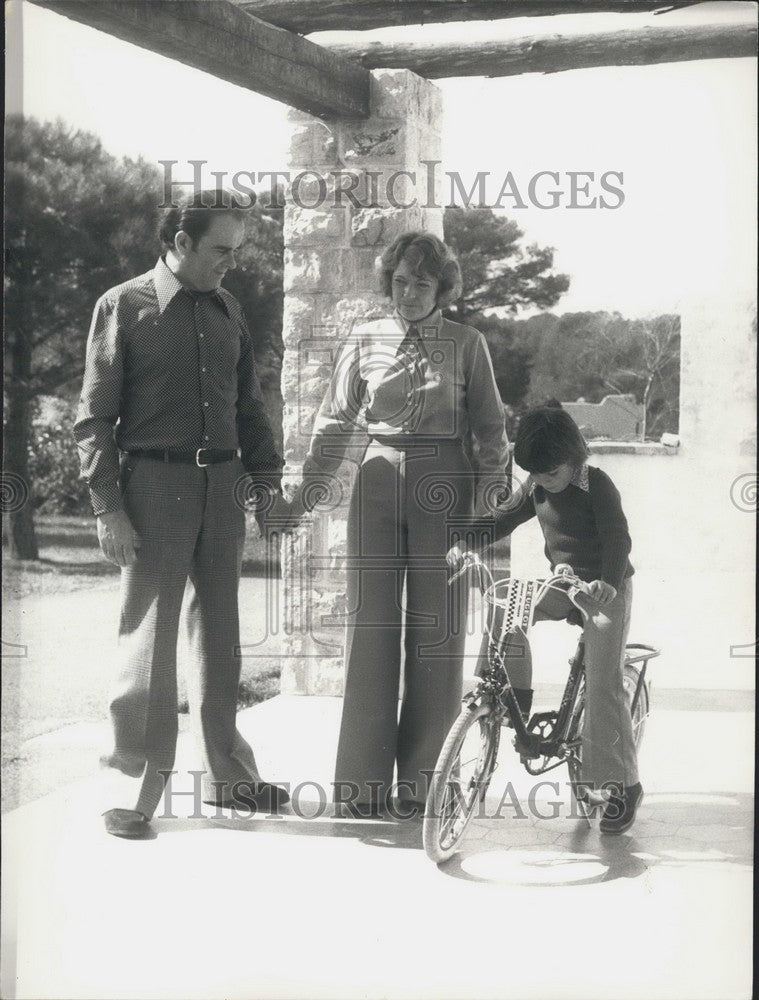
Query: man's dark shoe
x,y
126,823
619,814
258,796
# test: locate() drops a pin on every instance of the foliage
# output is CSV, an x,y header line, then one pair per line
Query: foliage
x,y
497,271
512,361
54,467
78,221
591,355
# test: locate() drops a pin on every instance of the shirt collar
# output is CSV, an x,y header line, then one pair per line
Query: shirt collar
x,y
581,478
167,284
429,327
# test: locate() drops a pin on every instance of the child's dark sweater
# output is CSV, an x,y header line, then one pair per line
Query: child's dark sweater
x,y
584,526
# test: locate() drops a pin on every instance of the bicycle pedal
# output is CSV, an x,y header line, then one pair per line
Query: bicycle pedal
x,y
528,749
541,719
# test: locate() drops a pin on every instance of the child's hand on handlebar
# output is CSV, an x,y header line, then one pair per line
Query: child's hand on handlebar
x,y
601,591
456,557
563,569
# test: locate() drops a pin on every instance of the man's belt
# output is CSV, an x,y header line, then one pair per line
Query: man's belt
x,y
201,457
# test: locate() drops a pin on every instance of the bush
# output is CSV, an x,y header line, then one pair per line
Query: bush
x,y
54,465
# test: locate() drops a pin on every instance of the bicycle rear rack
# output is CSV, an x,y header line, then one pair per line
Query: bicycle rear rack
x,y
649,652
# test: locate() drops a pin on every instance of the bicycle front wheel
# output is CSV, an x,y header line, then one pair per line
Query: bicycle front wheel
x,y
462,775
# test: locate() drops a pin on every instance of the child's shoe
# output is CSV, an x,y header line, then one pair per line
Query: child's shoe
x,y
619,814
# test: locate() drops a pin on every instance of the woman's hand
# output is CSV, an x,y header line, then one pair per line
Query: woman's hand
x,y
297,508
601,591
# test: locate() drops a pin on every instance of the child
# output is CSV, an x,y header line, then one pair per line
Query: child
x,y
580,514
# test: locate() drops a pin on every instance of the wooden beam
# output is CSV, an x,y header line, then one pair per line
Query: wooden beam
x,y
222,39
557,53
305,16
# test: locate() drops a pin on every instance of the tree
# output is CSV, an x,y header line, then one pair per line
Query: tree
x,y
78,221
497,271
660,373
512,361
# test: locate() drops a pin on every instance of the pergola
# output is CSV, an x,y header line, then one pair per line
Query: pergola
x,y
362,110
259,44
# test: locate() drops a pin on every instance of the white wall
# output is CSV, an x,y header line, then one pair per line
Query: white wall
x,y
692,514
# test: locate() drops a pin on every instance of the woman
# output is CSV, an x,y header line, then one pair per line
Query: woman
x,y
418,386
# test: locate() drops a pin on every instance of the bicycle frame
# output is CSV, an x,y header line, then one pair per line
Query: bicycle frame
x,y
496,686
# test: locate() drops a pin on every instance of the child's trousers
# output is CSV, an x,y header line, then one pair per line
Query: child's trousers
x,y
608,749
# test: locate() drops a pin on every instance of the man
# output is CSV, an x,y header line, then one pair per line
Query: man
x,y
172,437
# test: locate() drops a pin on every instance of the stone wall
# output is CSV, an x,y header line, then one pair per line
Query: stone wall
x,y
617,418
356,186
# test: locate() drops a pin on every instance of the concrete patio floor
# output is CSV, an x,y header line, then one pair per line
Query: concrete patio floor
x,y
223,905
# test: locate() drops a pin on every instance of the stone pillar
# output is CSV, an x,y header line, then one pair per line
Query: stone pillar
x,y
354,187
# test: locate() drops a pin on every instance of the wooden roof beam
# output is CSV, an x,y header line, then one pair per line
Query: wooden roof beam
x,y
305,16
557,53
222,39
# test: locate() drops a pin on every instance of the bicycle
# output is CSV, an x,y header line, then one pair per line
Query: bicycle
x,y
469,755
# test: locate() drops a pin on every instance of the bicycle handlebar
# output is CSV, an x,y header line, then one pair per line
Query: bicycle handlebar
x,y
563,573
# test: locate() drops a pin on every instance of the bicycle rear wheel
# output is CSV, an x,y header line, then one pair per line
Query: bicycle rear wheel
x,y
574,760
461,779
630,679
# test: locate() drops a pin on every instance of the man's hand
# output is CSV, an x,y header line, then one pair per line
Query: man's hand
x,y
118,539
601,591
279,516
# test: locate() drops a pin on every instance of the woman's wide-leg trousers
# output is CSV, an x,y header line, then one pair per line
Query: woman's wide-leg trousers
x,y
410,499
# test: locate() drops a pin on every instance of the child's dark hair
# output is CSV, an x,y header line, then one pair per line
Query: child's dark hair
x,y
548,437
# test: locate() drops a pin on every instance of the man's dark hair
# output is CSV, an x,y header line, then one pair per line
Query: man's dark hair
x,y
546,438
194,214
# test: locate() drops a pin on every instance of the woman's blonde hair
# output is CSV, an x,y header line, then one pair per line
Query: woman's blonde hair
x,y
427,255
